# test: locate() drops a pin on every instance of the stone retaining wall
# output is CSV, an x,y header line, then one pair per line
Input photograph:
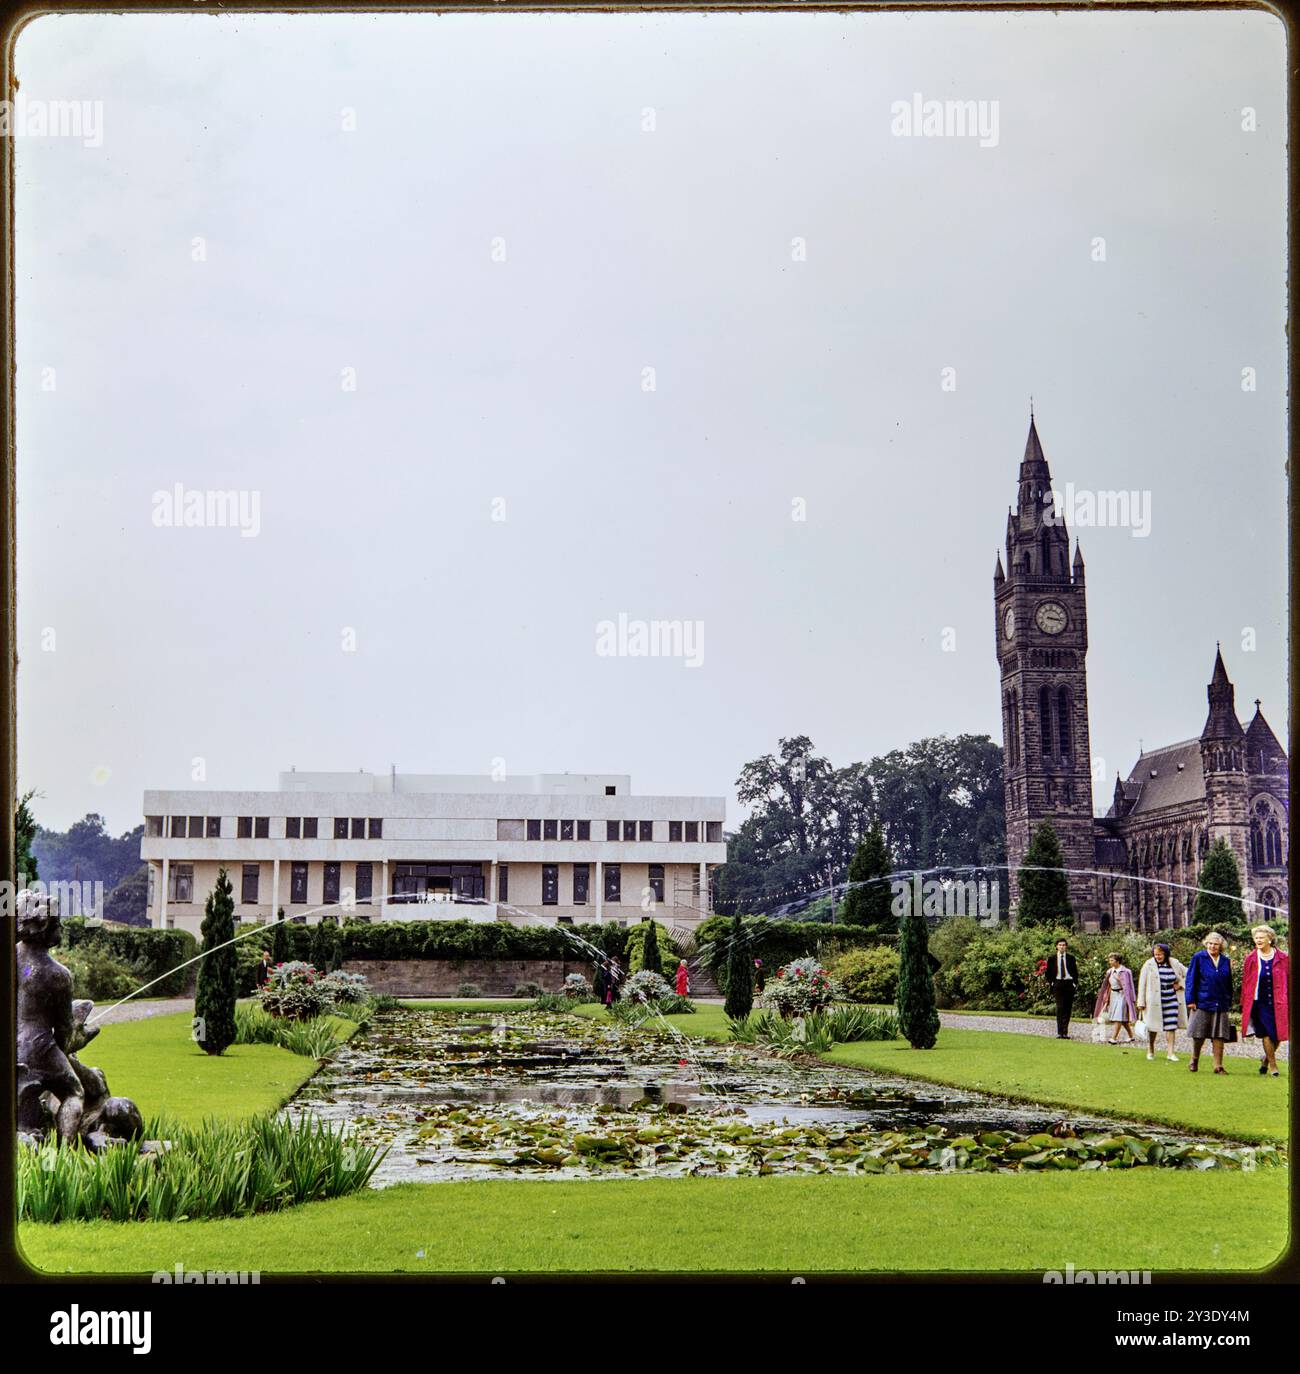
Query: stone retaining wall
x,y
443,977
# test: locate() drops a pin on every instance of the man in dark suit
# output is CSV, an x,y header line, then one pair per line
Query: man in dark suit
x,y
1063,973
263,968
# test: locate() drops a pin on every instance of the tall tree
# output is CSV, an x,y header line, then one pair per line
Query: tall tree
x,y
1218,888
869,900
214,994
651,959
26,870
918,1017
740,973
280,940
322,943
1044,887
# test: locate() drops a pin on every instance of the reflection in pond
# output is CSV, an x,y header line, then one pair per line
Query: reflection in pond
x,y
455,1095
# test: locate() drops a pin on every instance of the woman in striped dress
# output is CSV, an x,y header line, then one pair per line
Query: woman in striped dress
x,y
1160,1000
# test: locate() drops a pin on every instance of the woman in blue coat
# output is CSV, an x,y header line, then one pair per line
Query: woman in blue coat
x,y
1209,999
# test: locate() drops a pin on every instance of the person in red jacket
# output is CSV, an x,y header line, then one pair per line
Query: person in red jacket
x,y
683,979
1266,996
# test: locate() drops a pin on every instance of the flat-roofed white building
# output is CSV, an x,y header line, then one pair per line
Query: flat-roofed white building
x,y
557,846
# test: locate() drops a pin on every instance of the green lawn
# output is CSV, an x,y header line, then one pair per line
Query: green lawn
x,y
1090,1077
706,1022
156,1063
469,1004
883,1223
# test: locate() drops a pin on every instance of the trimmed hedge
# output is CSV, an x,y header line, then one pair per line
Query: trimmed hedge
x,y
452,940
777,942
998,970
149,953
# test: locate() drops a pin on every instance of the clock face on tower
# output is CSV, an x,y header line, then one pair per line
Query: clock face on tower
x,y
1009,623
1050,617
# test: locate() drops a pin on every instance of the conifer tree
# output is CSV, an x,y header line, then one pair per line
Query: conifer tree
x,y
651,959
1218,888
1044,887
214,993
322,943
869,900
918,1018
280,940
740,973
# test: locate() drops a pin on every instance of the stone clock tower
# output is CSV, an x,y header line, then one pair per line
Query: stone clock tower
x,y
1042,646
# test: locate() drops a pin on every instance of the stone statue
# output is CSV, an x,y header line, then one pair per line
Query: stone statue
x,y
56,1092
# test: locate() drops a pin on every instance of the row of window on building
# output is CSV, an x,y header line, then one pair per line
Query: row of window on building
x,y
372,828
689,832
466,881
259,827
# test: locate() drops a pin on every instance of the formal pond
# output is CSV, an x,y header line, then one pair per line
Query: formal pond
x,y
456,1095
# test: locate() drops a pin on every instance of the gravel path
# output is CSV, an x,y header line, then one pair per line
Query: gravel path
x,y
1082,1030
140,1009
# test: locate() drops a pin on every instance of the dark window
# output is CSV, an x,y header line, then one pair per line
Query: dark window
x,y
629,830
248,884
503,882
611,791
244,828
584,830
214,827
692,832
713,831
1063,731
333,873
611,830
262,828
365,881
340,827
549,830
657,881
674,832
550,884
647,830
292,827
298,883
1045,719
534,830
376,827
180,883
196,827
581,882
613,883
566,830
309,827
178,827
358,827
153,825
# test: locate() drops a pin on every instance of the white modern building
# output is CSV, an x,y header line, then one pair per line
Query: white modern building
x,y
571,847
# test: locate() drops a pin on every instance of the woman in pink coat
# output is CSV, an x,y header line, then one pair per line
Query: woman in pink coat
x,y
1116,1002
1266,996
683,979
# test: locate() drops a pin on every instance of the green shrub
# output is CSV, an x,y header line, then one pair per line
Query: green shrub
x,y
151,954
776,942
528,989
868,975
97,972
469,990
636,946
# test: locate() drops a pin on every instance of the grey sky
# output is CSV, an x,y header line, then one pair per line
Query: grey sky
x,y
522,379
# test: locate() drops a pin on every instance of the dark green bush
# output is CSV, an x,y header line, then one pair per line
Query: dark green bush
x,y
150,953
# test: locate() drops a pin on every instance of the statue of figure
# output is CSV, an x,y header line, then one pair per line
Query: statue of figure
x,y
56,1092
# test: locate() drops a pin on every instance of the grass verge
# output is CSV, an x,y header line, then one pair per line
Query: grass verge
x,y
879,1224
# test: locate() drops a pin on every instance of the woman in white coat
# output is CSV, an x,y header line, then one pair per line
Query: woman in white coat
x,y
1161,1001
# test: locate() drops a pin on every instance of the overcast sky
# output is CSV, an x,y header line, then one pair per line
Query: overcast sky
x,y
648,176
